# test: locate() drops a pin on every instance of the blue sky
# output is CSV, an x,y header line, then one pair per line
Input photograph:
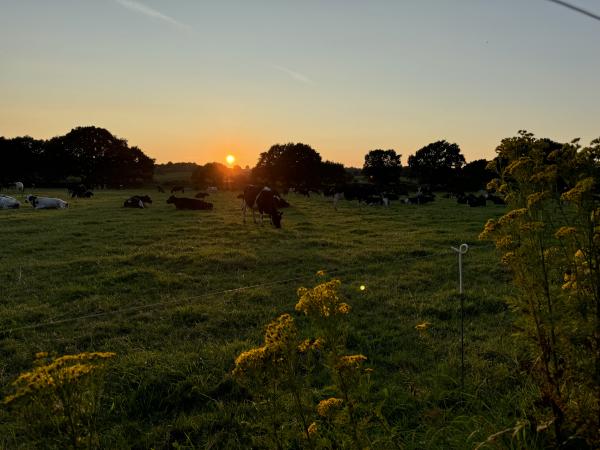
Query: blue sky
x,y
193,81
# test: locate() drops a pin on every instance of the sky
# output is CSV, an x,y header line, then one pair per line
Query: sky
x,y
193,80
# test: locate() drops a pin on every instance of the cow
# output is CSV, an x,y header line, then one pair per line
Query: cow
x,y
189,203
19,186
201,195
212,189
263,199
7,202
80,191
177,189
46,202
137,201
420,199
364,193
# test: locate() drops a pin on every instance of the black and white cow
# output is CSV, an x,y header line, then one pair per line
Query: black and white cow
x,y
263,199
137,201
7,202
46,202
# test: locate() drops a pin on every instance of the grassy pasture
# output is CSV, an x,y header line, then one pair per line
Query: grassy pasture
x,y
179,329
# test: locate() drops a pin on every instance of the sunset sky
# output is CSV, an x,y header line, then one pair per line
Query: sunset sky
x,y
191,80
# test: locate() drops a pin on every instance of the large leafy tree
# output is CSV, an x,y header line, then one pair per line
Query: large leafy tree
x,y
90,154
382,167
332,173
291,164
437,163
474,176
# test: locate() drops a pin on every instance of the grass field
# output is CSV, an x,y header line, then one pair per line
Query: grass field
x,y
160,288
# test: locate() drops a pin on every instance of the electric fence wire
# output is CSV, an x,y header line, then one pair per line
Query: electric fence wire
x,y
146,306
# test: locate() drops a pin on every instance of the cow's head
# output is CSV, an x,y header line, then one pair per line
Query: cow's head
x,y
276,218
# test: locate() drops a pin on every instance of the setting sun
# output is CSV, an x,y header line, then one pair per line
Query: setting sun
x,y
230,159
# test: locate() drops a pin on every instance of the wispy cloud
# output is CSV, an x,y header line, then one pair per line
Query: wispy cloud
x,y
153,13
295,75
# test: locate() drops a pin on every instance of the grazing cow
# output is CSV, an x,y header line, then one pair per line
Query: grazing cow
x,y
137,201
80,192
189,203
177,189
46,202
201,195
263,199
7,202
353,191
19,186
160,189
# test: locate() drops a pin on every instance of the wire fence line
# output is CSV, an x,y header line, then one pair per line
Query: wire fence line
x,y
147,306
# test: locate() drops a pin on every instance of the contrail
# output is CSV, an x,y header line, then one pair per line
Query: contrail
x,y
295,75
151,12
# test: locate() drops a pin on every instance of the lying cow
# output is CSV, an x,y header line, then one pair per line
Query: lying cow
x,y
46,202
137,201
189,203
7,202
263,199
201,195
178,189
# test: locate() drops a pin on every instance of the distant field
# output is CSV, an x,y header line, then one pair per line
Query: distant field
x,y
175,350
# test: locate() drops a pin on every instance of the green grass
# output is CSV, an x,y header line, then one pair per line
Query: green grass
x,y
177,334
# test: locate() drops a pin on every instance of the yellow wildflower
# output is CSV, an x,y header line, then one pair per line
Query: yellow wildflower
x,y
504,242
532,226
344,308
350,362
322,300
318,344
422,326
326,407
493,185
511,216
535,198
249,361
582,187
320,273
488,229
304,346
312,429
280,333
565,231
40,355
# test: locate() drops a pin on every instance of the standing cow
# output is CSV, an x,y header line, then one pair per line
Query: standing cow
x,y
263,199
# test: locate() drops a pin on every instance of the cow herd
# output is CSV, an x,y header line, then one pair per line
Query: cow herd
x,y
262,199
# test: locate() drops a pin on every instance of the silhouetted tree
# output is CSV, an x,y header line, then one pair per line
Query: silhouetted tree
x,y
473,177
382,167
437,163
90,154
210,174
289,165
332,173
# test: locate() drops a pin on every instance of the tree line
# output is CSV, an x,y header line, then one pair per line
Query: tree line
x,y
89,155
439,165
95,157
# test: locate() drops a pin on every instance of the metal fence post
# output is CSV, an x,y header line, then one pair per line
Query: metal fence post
x,y
461,250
